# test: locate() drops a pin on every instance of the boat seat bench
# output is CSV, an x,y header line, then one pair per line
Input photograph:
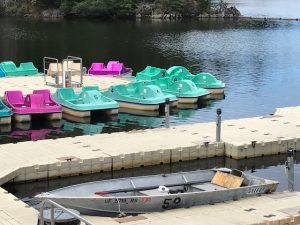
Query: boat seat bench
x,y
208,187
153,192
194,188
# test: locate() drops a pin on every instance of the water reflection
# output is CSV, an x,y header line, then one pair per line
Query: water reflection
x,y
33,135
142,121
36,130
84,129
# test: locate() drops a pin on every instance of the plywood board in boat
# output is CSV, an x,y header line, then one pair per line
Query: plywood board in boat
x,y
227,180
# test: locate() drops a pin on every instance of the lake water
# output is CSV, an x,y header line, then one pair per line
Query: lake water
x,y
269,8
258,61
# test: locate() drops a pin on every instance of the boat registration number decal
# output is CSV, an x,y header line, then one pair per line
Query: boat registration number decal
x,y
168,202
123,200
256,190
145,200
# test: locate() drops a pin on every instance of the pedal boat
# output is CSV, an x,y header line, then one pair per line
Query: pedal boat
x,y
185,90
89,100
39,103
113,68
5,114
2,74
156,193
9,68
202,80
139,96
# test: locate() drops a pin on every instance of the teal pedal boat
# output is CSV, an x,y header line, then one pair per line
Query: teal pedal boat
x,y
202,80
83,104
151,73
9,68
185,90
2,74
139,96
5,114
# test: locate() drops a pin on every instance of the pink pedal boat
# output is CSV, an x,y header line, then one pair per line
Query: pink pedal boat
x,y
113,68
38,103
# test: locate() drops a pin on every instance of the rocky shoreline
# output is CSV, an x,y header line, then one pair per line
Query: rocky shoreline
x,y
220,10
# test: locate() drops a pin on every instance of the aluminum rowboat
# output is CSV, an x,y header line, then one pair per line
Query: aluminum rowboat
x,y
156,192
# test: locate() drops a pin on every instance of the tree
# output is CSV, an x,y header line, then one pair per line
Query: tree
x,y
167,6
204,6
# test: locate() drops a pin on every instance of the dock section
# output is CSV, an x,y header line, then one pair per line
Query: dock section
x,y
273,209
243,138
15,212
28,84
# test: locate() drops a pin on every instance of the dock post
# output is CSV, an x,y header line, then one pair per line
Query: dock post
x,y
289,164
218,125
52,215
167,111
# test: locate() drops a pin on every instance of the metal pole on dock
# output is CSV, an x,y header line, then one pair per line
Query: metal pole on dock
x,y
52,215
167,111
289,164
218,125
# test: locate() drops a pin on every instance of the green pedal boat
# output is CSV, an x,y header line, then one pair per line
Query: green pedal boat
x,y
202,80
185,90
139,96
25,69
151,73
83,104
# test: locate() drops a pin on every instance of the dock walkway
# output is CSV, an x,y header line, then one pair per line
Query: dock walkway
x,y
274,209
242,138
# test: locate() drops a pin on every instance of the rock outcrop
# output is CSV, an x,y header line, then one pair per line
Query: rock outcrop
x,y
232,12
51,13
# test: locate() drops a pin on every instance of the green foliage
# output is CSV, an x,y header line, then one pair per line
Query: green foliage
x,y
45,3
116,8
185,7
98,7
167,6
204,6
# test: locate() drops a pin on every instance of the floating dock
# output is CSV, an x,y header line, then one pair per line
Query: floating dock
x,y
241,139
28,84
277,209
274,209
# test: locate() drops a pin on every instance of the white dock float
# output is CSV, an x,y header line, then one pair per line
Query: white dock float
x,y
27,84
243,138
15,212
273,209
